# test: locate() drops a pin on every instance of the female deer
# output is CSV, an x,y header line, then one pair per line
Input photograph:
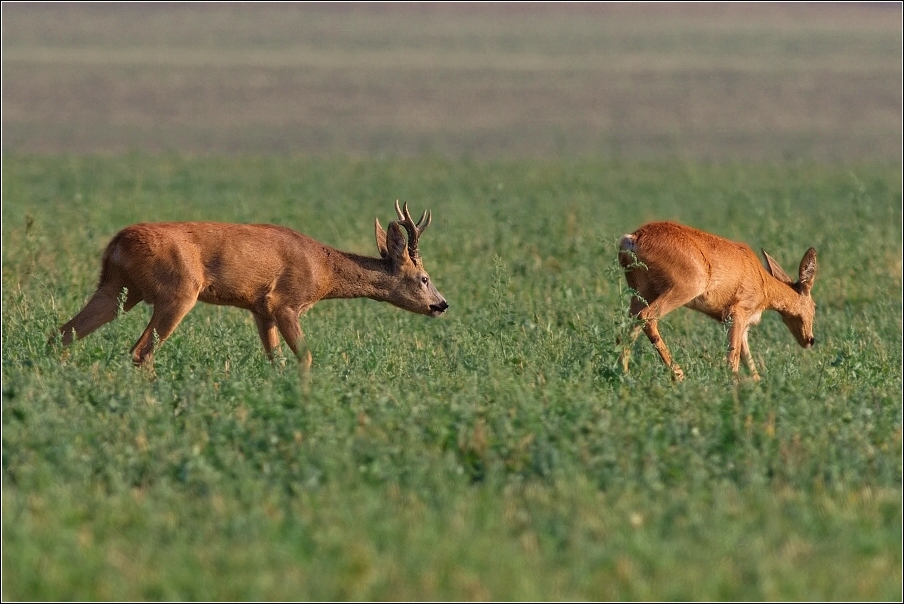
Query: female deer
x,y
670,265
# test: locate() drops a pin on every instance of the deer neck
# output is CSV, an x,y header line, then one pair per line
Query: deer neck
x,y
353,276
781,296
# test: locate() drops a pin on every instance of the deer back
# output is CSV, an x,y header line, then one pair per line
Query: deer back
x,y
222,263
715,272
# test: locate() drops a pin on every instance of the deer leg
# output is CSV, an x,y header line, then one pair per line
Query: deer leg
x,y
287,322
167,315
651,329
266,329
748,358
636,307
625,355
100,310
737,345
650,314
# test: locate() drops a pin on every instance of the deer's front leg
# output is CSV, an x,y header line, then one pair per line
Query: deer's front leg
x,y
287,322
737,336
748,358
266,329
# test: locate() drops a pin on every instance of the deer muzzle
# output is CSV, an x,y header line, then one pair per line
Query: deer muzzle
x,y
438,309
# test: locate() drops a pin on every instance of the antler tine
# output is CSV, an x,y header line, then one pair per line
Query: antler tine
x,y
426,223
405,216
414,230
406,221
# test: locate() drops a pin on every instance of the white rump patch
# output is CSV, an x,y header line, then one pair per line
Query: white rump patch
x,y
116,254
626,243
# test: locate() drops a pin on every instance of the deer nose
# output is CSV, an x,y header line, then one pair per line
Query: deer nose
x,y
441,307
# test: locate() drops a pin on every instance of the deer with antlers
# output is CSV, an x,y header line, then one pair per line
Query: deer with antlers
x,y
272,271
670,265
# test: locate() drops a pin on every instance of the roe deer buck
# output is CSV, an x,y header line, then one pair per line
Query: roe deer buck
x,y
670,265
272,271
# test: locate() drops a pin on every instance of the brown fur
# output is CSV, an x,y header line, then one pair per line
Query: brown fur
x,y
272,271
720,278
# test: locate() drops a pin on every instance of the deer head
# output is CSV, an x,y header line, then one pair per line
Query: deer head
x,y
415,292
799,315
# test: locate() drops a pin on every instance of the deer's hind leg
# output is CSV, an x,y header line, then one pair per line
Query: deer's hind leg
x,y
649,313
651,329
625,355
167,316
102,308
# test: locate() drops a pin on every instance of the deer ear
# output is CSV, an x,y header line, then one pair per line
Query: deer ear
x,y
807,271
396,245
775,270
381,238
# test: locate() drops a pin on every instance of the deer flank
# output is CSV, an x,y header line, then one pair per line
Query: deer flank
x,y
670,265
272,271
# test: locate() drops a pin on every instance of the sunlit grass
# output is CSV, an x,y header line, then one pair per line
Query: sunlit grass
x,y
494,453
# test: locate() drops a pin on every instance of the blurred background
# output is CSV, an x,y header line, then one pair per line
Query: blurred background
x,y
702,81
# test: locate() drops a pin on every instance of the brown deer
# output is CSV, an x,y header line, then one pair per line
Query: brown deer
x,y
272,271
670,265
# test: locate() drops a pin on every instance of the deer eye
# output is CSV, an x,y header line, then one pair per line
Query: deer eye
x,y
425,280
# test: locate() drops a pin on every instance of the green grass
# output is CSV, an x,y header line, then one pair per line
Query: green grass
x,y
494,453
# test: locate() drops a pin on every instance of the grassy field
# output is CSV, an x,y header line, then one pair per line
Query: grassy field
x,y
498,452
494,453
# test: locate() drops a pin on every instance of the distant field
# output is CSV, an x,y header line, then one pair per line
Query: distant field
x,y
494,453
733,81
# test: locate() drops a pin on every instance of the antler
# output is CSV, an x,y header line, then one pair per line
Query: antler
x,y
414,230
